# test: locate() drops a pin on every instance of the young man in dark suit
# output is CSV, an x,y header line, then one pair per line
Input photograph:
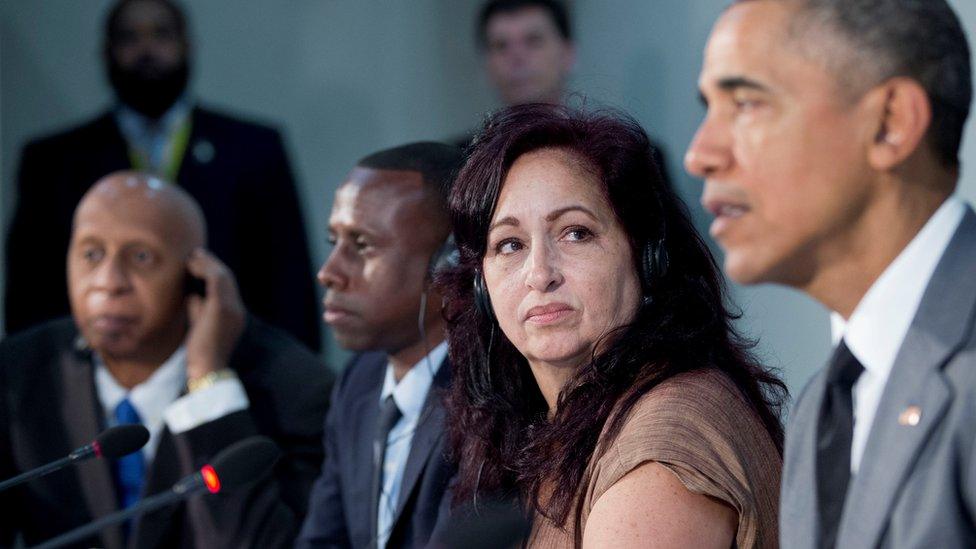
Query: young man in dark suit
x,y
385,474
194,369
830,158
237,171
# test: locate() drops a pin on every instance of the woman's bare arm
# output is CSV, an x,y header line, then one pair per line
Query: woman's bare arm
x,y
649,507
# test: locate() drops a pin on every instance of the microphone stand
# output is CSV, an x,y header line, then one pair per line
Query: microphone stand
x,y
78,455
181,491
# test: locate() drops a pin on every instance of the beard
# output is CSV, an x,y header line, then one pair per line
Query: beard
x,y
148,89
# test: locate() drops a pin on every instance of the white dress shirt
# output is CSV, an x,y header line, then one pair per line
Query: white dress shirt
x,y
409,394
157,399
876,329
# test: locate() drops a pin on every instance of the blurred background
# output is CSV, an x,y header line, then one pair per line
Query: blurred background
x,y
343,78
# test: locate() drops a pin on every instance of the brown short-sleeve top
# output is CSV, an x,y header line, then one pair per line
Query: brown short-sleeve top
x,y
700,427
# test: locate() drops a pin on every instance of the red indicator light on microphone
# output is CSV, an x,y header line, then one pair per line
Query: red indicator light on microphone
x,y
210,479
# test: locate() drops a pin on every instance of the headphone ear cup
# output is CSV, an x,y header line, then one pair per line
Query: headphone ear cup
x,y
654,264
482,301
446,256
647,268
662,261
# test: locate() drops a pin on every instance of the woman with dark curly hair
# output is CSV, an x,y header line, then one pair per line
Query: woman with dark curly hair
x,y
598,377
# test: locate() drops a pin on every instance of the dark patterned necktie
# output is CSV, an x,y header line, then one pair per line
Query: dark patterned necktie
x,y
835,430
389,415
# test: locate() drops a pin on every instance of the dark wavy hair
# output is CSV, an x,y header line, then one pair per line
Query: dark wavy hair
x,y
501,435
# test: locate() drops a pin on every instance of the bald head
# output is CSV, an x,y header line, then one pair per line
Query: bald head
x,y
141,199
127,265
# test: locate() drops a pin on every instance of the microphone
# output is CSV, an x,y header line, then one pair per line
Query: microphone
x,y
111,443
238,464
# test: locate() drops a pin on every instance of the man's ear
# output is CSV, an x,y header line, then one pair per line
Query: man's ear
x,y
904,114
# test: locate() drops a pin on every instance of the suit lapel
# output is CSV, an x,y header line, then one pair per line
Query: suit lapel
x,y
365,412
164,471
430,429
938,329
800,514
111,156
196,145
81,418
201,156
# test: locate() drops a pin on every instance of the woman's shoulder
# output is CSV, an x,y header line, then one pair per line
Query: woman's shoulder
x,y
700,399
706,385
699,426
696,422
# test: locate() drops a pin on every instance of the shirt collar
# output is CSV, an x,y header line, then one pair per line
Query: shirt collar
x,y
134,124
877,327
151,397
411,392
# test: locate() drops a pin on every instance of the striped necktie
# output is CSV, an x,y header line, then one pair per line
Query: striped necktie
x,y
389,416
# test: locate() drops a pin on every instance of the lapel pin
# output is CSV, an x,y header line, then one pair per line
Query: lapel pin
x,y
81,344
910,416
203,151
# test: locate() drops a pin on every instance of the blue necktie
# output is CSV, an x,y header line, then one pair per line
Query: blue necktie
x,y
129,469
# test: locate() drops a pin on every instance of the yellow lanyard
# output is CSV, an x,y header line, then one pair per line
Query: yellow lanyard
x,y
177,143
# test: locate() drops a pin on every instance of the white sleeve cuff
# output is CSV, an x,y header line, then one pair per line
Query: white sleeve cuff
x,y
192,410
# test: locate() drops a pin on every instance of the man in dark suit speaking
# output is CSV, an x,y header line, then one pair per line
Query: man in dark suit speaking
x,y
144,347
385,472
237,171
830,157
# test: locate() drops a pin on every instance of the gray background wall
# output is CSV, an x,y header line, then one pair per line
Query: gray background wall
x,y
345,77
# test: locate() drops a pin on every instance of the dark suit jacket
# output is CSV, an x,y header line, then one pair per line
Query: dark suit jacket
x,y
338,511
236,170
48,407
916,484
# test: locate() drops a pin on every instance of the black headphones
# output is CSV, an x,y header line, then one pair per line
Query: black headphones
x,y
653,267
482,302
446,256
655,259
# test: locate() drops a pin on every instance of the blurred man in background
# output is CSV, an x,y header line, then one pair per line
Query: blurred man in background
x,y
528,49
237,171
529,53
